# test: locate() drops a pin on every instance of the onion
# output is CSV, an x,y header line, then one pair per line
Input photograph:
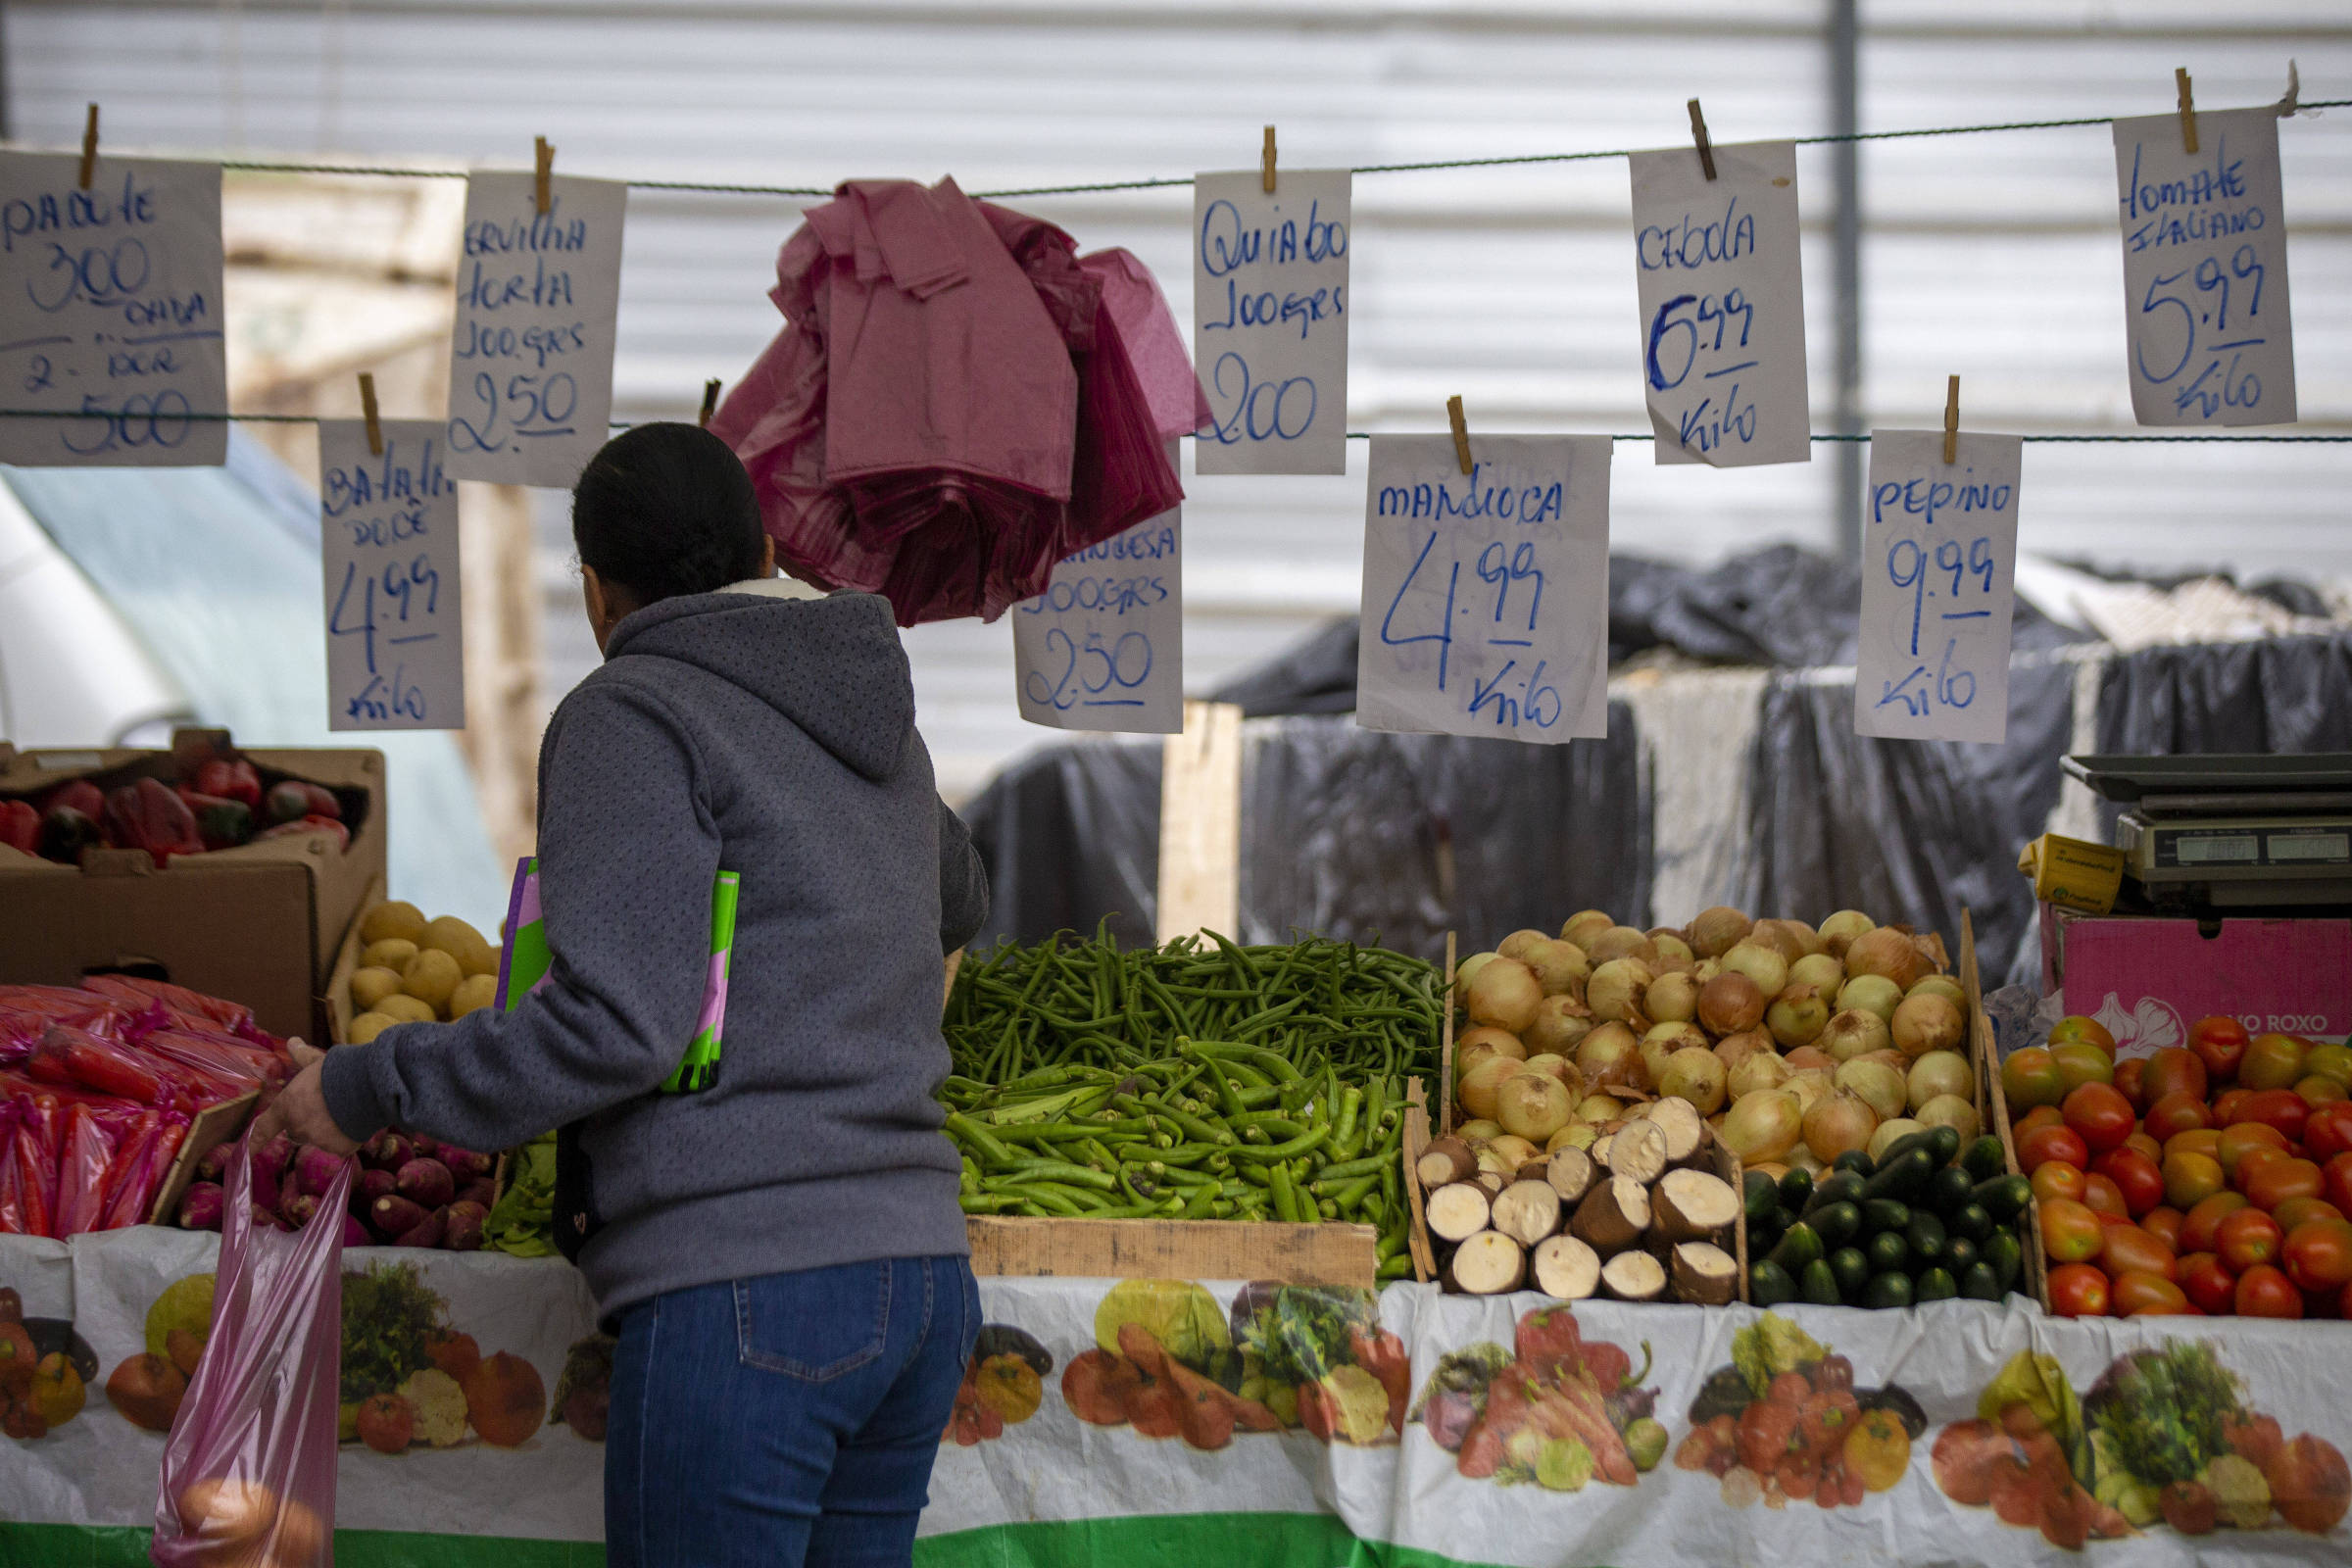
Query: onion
x,y
1759,1071
1763,1126
1584,925
1515,945
225,1512
1731,1003
1559,967
1693,1073
1802,1159
1654,1054
1950,1111
1927,1022
1672,951
1533,1105
1476,1130
1889,1133
1943,985
1890,1058
1796,1015
1732,1050
1561,1022
1776,934
1598,1108
1808,940
1840,929
1570,1076
1481,1084
1504,995
1619,942
1760,963
1880,1086
1716,931
1871,993
1672,998
1853,1032
1838,1122
1676,1036
1810,1059
1616,988
1818,970
1706,970
1807,1086
1466,971
1512,1149
1609,1055
1939,1072
1885,953
1474,1046
1576,1135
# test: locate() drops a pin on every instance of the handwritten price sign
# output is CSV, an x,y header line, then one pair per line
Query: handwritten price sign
x,y
110,309
531,368
1939,567
1102,647
1723,305
1487,595
2205,270
395,651
1270,320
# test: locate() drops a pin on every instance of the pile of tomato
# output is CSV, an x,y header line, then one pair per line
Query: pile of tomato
x,y
2214,1177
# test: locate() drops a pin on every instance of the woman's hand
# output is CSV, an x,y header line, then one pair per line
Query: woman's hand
x,y
300,1108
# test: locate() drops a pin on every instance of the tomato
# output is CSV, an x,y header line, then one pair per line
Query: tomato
x,y
2030,1078
2264,1292
2337,1174
2220,1044
2330,1061
2189,1179
2278,1179
2078,1290
2316,1091
2039,1116
2135,1176
2071,1232
2128,1082
2137,1295
2081,1062
2208,1284
2100,1194
2273,1062
2164,1223
2328,1130
2296,1210
2242,1136
2178,1112
2174,1070
2246,1237
2079,1028
2316,1255
2205,1141
2051,1143
2282,1109
2100,1115
2226,1103
2147,1146
2055,1178
2129,1250
2204,1218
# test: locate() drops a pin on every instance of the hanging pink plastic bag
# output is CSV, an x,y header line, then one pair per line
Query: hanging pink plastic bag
x,y
249,1470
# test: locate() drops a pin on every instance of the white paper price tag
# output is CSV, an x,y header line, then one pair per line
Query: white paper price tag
x,y
531,368
2205,305
1102,647
1939,569
1487,595
1270,320
1723,305
395,650
110,309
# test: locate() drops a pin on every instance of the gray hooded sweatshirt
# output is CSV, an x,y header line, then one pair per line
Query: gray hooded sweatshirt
x,y
775,738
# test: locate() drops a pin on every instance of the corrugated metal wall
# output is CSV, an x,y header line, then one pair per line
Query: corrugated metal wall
x,y
1993,255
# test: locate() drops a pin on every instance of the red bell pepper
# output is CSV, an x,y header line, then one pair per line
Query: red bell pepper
x,y
223,823
147,815
80,795
20,826
230,780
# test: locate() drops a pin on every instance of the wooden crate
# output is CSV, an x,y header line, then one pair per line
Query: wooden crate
x,y
1992,1106
1173,1248
217,1124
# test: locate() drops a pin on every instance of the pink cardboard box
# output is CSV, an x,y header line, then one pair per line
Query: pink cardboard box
x,y
2149,980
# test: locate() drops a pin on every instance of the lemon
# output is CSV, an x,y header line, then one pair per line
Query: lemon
x,y
474,991
393,953
401,1008
392,918
184,1304
368,1025
431,977
462,942
373,985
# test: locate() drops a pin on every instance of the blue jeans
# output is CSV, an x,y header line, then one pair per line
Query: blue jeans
x,y
787,1419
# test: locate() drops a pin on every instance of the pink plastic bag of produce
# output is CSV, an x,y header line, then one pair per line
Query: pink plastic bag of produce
x,y
249,1470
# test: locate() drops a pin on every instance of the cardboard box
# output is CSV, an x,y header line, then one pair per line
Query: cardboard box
x,y
2148,979
260,924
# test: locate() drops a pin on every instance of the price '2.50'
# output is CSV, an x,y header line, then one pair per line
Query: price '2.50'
x,y
1125,665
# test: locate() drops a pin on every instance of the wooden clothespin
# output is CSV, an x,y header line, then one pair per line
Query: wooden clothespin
x,y
1698,134
89,148
376,431
1267,162
2189,111
1461,432
710,404
546,156
1951,420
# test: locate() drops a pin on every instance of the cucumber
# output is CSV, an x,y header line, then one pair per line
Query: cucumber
x,y
1902,1178
1983,1159
1838,1187
1855,1160
1934,1285
1798,1245
2004,1197
1885,1214
1887,1253
1903,1145
1769,1284
1944,1142
1981,1282
1765,1234
1888,1290
1837,1224
1851,1270
2007,1257
1949,1188
1926,1237
1970,1220
1959,1254
1818,1285
1762,1197
1796,1188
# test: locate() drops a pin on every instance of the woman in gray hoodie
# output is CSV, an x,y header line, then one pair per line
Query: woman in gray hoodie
x,y
780,1250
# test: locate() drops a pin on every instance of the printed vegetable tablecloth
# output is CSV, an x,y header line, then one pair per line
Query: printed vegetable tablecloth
x,y
1173,1422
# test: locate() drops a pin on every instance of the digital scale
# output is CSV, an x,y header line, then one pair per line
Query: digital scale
x,y
2231,831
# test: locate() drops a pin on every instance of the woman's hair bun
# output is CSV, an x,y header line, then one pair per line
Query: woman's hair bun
x,y
664,509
